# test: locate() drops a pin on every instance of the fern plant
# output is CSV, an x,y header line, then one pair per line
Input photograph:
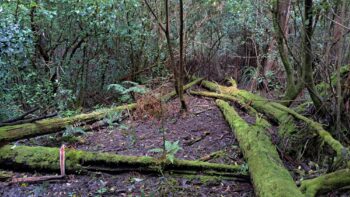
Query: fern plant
x,y
126,88
169,150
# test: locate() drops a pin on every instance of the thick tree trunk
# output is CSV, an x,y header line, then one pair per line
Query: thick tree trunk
x,y
47,126
47,159
270,178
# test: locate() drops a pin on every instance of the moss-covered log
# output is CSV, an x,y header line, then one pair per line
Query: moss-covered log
x,y
47,159
47,126
42,127
186,87
270,178
250,110
341,151
326,183
282,114
261,104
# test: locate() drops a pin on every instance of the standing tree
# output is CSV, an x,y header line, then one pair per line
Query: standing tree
x,y
305,72
178,68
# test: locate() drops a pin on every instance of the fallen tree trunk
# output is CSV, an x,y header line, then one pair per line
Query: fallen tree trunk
x,y
286,122
47,159
284,115
270,178
47,126
250,110
326,183
341,151
42,127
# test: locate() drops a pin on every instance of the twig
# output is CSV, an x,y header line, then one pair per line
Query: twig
x,y
213,155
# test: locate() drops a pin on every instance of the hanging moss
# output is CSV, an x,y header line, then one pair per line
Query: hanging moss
x,y
325,183
270,178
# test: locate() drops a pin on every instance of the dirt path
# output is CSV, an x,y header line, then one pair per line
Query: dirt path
x,y
203,121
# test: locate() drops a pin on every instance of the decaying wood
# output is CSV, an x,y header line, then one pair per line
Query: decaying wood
x,y
30,120
326,183
47,126
269,176
4,175
46,178
260,104
213,155
282,114
47,160
21,117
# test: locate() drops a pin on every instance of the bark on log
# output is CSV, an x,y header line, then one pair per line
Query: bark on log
x,y
284,115
250,110
326,183
47,160
286,122
47,126
42,127
341,151
270,178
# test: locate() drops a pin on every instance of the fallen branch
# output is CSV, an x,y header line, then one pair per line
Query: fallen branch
x,y
21,117
30,120
213,155
186,87
197,139
270,177
326,183
47,159
53,125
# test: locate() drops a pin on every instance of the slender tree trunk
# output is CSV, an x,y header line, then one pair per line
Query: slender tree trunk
x,y
181,73
307,72
281,16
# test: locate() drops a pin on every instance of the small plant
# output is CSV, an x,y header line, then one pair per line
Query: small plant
x,y
113,118
126,89
71,130
169,150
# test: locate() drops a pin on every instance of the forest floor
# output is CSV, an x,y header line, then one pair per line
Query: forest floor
x,y
203,121
200,131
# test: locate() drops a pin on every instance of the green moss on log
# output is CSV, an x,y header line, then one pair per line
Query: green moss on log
x,y
250,110
261,104
187,86
326,183
47,126
270,178
47,159
341,151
